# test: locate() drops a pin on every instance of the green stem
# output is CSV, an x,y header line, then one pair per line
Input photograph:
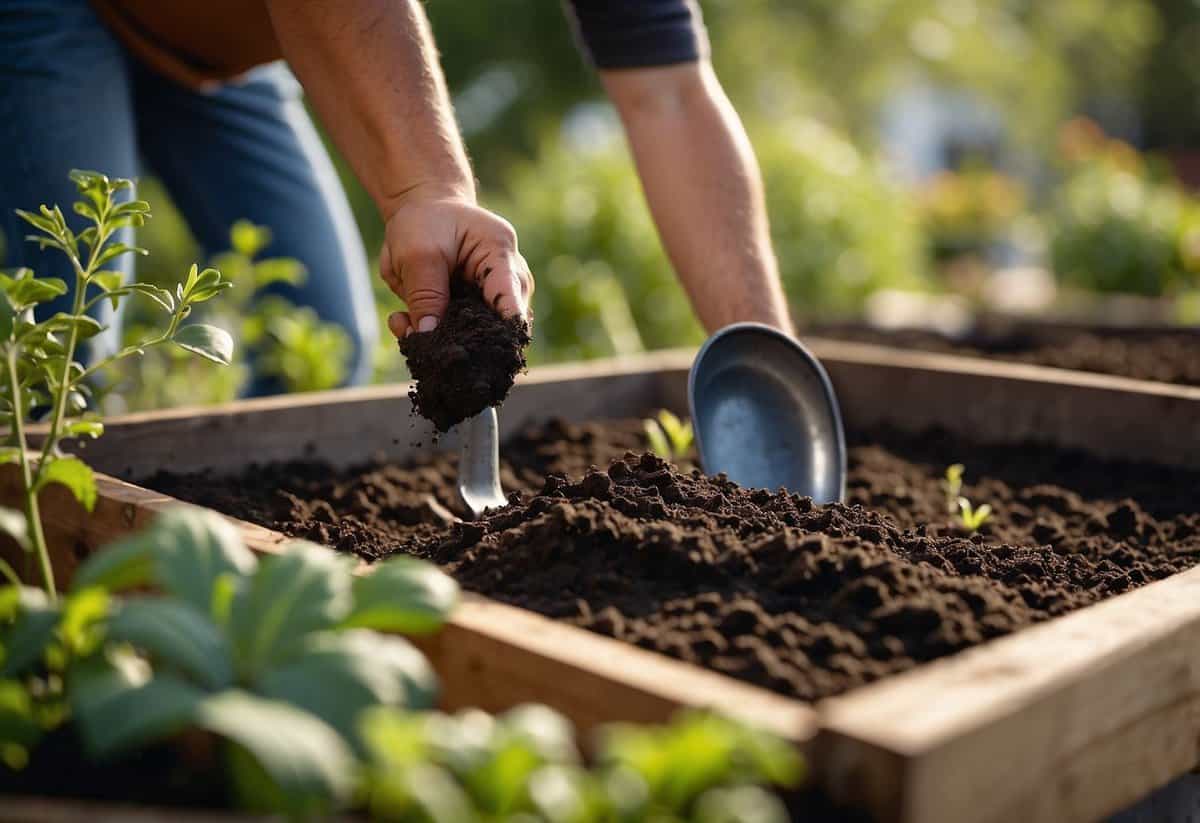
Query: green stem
x,y
8,573
33,516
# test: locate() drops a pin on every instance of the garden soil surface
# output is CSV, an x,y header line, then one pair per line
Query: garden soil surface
x,y
469,362
1143,354
806,600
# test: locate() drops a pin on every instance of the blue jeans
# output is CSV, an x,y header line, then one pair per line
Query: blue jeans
x,y
72,97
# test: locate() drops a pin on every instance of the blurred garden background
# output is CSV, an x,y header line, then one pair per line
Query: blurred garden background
x,y
923,159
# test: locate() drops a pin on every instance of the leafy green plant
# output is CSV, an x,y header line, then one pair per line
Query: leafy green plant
x,y
278,657
290,345
669,437
524,765
969,517
39,365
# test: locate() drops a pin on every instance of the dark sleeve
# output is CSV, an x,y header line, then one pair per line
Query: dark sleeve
x,y
625,34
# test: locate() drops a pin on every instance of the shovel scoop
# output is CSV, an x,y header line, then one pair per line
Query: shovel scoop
x,y
765,413
479,464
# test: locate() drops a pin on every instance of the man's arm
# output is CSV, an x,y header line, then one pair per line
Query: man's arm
x,y
704,189
370,69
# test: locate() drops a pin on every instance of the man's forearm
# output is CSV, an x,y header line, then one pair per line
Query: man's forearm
x,y
370,69
704,189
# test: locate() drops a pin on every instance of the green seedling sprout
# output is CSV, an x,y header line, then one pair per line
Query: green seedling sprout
x,y
973,518
669,437
38,365
952,486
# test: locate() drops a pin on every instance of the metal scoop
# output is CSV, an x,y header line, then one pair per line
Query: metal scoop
x,y
479,464
765,414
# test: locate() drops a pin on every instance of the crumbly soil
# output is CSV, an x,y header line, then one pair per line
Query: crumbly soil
x,y
1143,354
469,362
809,601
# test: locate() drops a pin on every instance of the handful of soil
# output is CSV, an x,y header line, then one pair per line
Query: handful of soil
x,y
469,362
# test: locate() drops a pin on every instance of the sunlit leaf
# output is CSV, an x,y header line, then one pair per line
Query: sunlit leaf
x,y
174,634
75,475
209,342
14,524
403,594
26,641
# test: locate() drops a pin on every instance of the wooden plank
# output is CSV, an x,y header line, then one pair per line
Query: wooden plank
x,y
1069,720
489,655
356,425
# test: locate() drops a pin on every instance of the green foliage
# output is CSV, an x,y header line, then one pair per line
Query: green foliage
x,y
524,765
290,344
39,363
1118,224
669,437
969,517
840,227
278,657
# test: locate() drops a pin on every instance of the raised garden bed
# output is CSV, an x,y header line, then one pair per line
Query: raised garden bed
x,y
1160,353
1066,720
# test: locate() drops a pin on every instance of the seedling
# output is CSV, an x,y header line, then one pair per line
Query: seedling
x,y
38,369
952,486
972,518
669,437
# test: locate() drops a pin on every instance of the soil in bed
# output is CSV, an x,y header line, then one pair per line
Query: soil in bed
x,y
1143,354
806,600
467,363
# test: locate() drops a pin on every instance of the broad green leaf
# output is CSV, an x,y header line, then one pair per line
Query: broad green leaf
x,y
248,239
562,794
75,475
422,792
15,525
159,295
740,804
110,282
81,629
337,676
185,550
116,250
84,428
303,590
26,641
38,221
175,634
296,763
209,342
548,732
85,327
279,270
28,292
18,724
403,594
395,738
119,704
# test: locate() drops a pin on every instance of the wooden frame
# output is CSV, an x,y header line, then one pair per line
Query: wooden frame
x,y
1066,721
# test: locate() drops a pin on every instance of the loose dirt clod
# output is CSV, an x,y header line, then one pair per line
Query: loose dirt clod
x,y
469,362
807,600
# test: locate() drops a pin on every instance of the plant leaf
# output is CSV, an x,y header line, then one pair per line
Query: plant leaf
x,y
25,643
279,270
159,295
18,724
336,676
85,327
28,291
116,250
657,439
8,316
75,475
15,525
303,590
286,759
175,633
405,595
84,428
120,705
209,342
247,239
740,804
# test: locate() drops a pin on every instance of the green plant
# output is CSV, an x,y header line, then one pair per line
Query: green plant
x,y
669,437
524,765
951,485
973,518
278,657
288,345
39,364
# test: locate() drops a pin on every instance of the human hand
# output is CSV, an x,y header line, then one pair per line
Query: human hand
x,y
432,237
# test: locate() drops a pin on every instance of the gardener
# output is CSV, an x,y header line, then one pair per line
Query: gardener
x,y
191,86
